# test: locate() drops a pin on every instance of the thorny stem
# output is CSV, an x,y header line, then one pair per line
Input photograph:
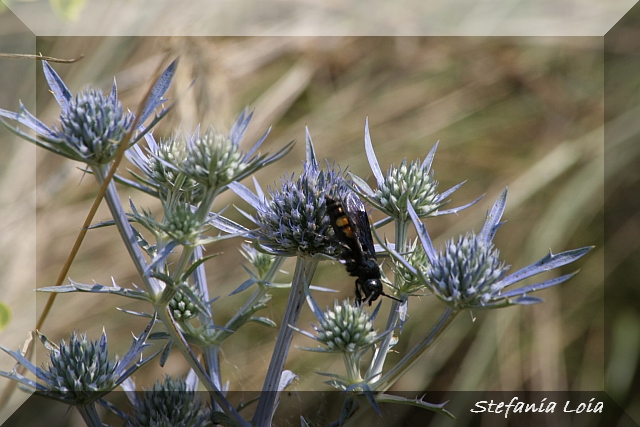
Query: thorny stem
x,y
305,268
192,359
390,377
257,295
211,352
125,230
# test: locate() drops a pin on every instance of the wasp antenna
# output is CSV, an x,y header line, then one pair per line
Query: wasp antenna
x,y
392,297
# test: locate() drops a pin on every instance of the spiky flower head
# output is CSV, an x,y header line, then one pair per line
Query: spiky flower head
x,y
169,403
215,159
181,223
183,307
346,328
466,273
412,183
159,167
293,219
469,274
80,372
91,124
80,368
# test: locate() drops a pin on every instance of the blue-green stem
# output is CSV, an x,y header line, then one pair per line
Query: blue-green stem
x,y
211,352
90,414
212,382
401,231
352,363
212,362
124,228
192,359
305,268
410,359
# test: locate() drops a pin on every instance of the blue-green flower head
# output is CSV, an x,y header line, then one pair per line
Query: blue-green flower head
x,y
160,167
261,261
79,371
183,307
292,220
409,183
181,223
80,368
346,328
92,124
170,403
215,159
468,273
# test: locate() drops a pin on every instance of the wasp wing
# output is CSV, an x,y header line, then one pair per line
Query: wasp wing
x,y
357,215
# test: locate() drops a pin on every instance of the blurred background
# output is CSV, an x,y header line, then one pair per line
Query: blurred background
x,y
525,112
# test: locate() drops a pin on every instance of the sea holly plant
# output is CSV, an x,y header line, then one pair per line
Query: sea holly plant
x,y
186,172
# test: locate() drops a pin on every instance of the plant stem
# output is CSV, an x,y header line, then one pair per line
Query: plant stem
x,y
90,415
192,359
375,370
305,268
397,371
124,228
352,363
200,275
212,362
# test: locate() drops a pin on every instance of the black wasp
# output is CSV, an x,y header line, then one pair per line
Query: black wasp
x,y
350,224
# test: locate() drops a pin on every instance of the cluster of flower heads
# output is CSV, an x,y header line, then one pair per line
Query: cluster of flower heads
x,y
292,220
196,163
